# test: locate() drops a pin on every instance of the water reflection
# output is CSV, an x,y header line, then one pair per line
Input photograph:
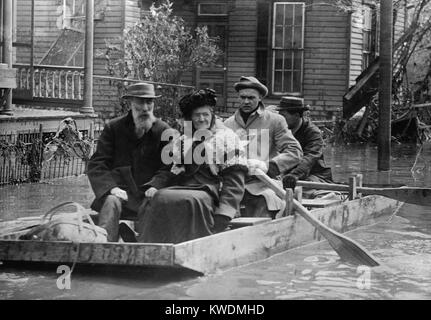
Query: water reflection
x,y
315,271
37,198
403,246
407,166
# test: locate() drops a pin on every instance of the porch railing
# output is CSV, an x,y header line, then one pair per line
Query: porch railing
x,y
43,84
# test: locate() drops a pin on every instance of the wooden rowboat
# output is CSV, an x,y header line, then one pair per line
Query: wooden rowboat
x,y
208,254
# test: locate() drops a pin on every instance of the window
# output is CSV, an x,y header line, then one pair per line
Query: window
x,y
212,9
74,14
369,32
214,76
280,46
287,47
218,31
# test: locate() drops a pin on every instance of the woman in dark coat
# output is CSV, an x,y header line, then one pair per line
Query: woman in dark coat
x,y
207,178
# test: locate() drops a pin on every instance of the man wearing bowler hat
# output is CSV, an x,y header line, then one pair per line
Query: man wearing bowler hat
x,y
312,166
271,147
126,160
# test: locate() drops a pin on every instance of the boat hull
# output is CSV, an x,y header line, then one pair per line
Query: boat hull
x,y
208,254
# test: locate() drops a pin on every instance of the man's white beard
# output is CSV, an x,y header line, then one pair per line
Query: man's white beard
x,y
143,125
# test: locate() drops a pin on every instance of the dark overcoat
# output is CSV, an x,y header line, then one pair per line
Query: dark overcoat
x,y
226,187
312,163
196,194
122,160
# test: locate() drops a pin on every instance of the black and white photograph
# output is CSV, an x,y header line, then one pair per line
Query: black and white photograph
x,y
217,157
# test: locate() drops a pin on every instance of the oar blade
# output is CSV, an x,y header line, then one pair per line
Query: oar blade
x,y
347,249
418,196
352,252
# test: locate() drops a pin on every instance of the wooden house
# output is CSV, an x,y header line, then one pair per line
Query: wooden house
x,y
313,48
49,59
49,43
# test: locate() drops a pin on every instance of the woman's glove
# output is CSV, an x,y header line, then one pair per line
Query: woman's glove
x,y
150,192
289,181
119,193
254,164
221,222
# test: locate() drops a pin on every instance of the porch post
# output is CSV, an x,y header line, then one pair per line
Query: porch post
x,y
7,48
385,86
88,64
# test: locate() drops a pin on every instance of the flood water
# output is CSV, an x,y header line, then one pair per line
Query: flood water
x,y
402,245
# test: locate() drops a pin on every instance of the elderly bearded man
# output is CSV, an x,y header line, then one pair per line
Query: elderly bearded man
x,y
127,158
271,148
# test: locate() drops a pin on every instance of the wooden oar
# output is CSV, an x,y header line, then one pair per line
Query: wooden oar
x,y
414,195
346,248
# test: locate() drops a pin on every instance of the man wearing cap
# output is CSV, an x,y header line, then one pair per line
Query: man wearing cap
x,y
126,160
312,166
271,147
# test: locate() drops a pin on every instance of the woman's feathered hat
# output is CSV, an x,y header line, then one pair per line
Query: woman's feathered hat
x,y
197,99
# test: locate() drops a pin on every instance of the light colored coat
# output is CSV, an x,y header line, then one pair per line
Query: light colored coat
x,y
267,132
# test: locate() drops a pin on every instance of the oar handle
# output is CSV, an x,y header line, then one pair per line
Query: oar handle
x,y
413,195
342,187
279,191
270,183
322,186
